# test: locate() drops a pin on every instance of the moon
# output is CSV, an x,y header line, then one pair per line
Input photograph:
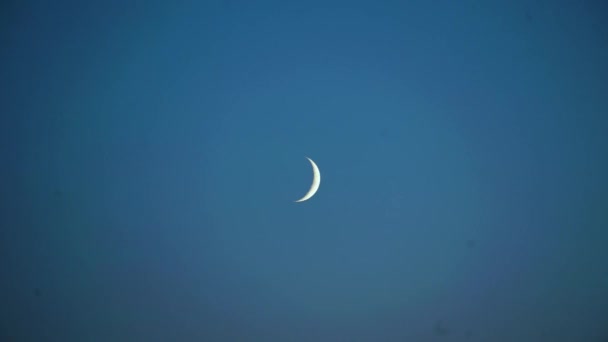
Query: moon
x,y
316,181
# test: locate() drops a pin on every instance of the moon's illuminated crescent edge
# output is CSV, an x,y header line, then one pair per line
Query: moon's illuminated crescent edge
x,y
316,181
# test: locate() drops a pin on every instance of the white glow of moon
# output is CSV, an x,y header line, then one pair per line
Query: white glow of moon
x,y
316,181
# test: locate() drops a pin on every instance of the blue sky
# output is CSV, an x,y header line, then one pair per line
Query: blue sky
x,y
152,153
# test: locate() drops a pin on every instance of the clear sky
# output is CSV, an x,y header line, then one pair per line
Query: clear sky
x,y
151,153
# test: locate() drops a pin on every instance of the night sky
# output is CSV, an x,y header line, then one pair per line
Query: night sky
x,y
152,152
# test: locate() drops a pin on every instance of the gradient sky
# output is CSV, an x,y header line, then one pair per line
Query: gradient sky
x,y
152,152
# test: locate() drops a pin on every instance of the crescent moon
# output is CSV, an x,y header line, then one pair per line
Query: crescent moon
x,y
316,181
